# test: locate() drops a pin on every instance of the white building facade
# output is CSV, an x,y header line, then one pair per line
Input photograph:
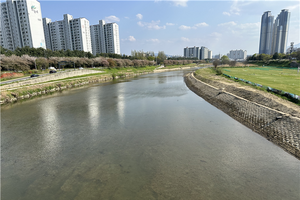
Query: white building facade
x,y
237,54
69,33
105,38
192,52
21,24
209,54
205,53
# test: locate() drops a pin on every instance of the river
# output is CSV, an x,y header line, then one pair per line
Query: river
x,y
147,137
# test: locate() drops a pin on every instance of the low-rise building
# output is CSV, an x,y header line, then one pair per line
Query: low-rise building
x,y
237,54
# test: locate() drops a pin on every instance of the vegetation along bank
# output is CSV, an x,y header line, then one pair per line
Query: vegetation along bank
x,y
60,81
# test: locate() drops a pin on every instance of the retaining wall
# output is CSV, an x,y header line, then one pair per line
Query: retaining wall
x,y
49,77
68,86
279,127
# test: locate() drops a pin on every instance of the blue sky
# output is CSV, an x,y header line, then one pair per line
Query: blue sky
x,y
170,26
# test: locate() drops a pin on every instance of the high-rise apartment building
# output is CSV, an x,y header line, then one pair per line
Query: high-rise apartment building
x,y
280,32
192,52
205,53
105,38
209,54
196,52
266,30
273,36
69,33
21,24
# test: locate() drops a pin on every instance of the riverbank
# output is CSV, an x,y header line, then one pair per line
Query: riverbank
x,y
46,85
272,117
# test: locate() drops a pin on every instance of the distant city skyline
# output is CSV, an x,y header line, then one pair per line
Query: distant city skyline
x,y
170,26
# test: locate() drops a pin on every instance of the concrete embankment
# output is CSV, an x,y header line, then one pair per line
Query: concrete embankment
x,y
282,128
49,77
59,86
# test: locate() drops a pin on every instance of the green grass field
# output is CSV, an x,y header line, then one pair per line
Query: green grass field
x,y
279,78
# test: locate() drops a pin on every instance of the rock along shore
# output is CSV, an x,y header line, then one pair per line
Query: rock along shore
x,y
279,127
59,85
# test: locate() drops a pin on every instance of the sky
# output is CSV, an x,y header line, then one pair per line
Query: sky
x,y
170,26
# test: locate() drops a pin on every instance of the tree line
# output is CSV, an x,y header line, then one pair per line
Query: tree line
x,y
275,56
25,62
47,53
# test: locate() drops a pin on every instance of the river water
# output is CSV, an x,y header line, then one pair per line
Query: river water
x,y
144,138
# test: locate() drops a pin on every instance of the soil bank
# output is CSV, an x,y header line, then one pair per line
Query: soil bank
x,y
278,122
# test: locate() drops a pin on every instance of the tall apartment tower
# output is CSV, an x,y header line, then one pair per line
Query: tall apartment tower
x,y
273,35
21,24
280,32
105,38
69,33
266,30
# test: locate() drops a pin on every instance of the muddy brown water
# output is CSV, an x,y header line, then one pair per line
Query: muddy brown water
x,y
144,138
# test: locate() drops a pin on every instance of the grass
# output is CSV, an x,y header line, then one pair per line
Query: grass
x,y
178,66
210,74
75,80
287,80
113,72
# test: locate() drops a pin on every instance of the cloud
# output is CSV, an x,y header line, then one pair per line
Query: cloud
x,y
130,38
226,13
183,27
170,24
184,39
126,17
216,34
203,24
238,31
111,18
236,7
182,3
153,25
290,8
153,40
139,16
232,23
249,25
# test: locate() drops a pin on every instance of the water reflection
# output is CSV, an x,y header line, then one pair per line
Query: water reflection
x,y
121,102
50,128
94,107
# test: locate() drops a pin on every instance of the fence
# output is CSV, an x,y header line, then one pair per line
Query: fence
x,y
280,92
